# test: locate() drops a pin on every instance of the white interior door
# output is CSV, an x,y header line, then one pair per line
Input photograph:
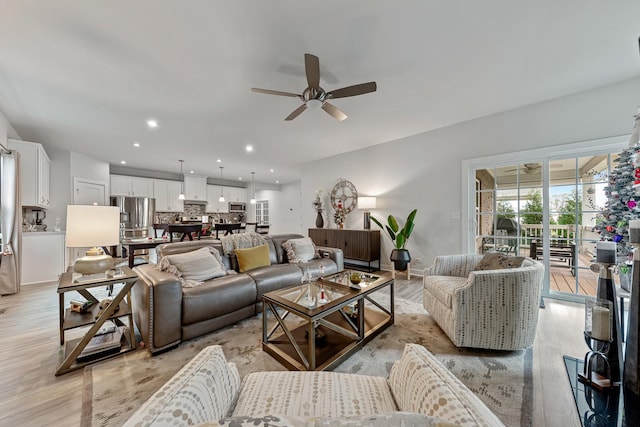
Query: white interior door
x,y
89,192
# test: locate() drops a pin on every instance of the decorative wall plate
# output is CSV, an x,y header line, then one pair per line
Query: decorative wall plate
x,y
345,192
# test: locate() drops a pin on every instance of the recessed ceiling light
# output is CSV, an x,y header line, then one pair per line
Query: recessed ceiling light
x,y
277,181
271,170
249,148
239,178
192,171
136,144
124,162
152,123
219,160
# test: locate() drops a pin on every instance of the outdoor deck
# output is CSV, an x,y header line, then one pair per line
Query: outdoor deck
x,y
561,279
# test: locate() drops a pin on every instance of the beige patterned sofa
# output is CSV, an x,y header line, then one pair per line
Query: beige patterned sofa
x,y
208,391
493,309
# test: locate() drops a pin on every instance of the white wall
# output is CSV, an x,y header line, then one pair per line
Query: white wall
x,y
424,171
87,167
65,165
6,130
284,209
60,194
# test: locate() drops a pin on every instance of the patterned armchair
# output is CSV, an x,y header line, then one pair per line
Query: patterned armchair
x,y
493,309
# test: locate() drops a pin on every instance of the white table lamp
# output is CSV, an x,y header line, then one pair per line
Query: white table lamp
x,y
93,226
367,203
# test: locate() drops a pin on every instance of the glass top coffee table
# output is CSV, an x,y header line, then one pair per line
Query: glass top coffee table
x,y
339,324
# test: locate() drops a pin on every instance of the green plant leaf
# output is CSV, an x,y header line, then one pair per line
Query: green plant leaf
x,y
400,241
393,223
408,229
378,223
392,233
412,216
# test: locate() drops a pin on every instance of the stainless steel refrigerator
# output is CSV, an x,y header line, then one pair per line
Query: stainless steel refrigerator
x,y
136,215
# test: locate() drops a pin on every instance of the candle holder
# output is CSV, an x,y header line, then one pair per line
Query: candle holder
x,y
631,377
607,291
603,407
598,334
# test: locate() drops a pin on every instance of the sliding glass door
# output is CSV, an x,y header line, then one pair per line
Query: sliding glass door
x,y
544,208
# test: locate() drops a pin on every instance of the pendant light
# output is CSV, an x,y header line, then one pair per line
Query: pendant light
x,y
181,196
253,188
221,199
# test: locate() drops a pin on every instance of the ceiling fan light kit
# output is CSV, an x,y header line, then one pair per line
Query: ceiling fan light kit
x,y
315,97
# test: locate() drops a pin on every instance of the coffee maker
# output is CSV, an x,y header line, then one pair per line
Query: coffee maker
x,y
40,216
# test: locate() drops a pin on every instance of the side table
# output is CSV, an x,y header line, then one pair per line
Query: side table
x,y
70,319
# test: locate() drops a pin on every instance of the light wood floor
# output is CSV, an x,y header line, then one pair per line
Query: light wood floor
x,y
31,395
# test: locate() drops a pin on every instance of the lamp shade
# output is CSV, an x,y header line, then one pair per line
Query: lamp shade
x,y
89,226
366,202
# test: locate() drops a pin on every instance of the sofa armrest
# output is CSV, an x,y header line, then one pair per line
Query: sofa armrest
x,y
157,307
334,254
420,383
205,389
453,265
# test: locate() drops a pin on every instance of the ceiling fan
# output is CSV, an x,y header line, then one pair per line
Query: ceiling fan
x,y
530,168
314,96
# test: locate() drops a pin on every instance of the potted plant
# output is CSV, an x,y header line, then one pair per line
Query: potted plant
x,y
399,236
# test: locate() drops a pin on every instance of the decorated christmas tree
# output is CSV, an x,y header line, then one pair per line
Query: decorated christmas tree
x,y
623,204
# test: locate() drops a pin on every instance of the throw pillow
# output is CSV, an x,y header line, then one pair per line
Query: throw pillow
x,y
497,261
300,250
251,258
198,265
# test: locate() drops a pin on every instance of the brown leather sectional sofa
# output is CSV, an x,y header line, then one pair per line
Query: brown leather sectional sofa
x,y
166,313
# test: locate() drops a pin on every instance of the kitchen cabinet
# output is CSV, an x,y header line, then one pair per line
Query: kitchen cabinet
x,y
34,173
122,185
43,256
235,194
195,188
166,194
213,205
357,245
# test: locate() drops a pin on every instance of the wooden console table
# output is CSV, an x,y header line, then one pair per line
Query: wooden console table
x,y
356,245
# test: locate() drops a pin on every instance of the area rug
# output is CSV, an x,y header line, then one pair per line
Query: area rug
x,y
503,380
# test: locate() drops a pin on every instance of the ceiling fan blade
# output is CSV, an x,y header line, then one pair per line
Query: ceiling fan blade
x,y
296,112
334,111
354,90
274,92
312,68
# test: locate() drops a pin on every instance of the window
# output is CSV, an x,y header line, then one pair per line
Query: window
x,y
262,212
542,204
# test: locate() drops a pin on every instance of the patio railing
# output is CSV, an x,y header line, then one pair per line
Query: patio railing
x,y
557,231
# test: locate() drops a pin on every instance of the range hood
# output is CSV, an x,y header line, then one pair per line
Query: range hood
x,y
195,202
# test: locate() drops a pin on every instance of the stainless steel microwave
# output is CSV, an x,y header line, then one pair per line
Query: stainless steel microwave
x,y
237,207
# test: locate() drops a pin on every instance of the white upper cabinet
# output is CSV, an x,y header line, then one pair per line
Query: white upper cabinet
x,y
131,186
34,174
213,205
141,187
166,194
236,194
195,188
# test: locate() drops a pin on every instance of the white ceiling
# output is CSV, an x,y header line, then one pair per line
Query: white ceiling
x,y
86,75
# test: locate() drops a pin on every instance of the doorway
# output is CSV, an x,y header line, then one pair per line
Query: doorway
x,y
544,207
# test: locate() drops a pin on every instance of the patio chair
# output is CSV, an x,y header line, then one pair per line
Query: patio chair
x,y
505,239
